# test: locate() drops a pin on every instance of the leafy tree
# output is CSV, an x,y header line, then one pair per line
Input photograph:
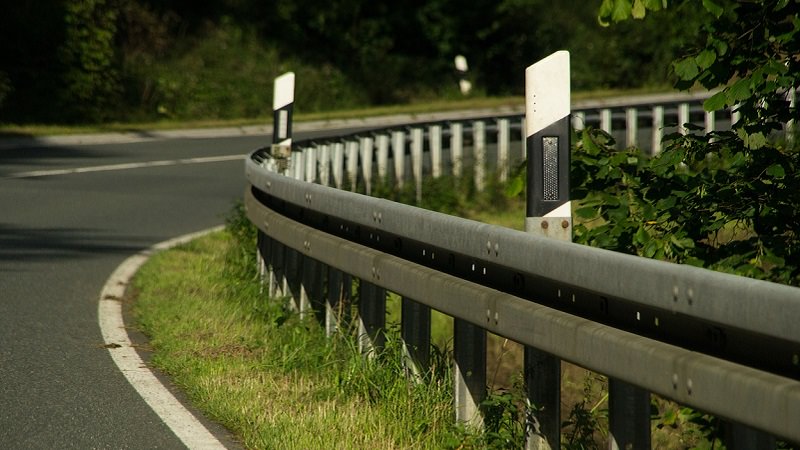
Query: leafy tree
x,y
726,200
91,76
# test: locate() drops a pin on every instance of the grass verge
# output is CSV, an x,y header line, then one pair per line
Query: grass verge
x,y
274,380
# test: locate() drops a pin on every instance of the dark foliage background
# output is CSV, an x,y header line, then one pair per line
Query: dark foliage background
x,y
89,61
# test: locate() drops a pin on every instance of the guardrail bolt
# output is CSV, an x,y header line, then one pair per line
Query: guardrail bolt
x,y
564,224
545,224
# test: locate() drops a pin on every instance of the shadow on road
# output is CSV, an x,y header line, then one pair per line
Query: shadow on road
x,y
19,246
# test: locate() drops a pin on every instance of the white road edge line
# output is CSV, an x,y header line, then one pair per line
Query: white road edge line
x,y
125,166
188,429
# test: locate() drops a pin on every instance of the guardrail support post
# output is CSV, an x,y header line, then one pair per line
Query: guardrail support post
x,y
628,416
416,161
605,120
337,307
683,118
416,332
293,276
658,129
479,148
277,260
337,165
367,145
631,127
524,133
310,156
740,437
578,120
435,139
469,349
372,318
399,154
311,288
382,142
457,147
547,105
297,166
262,245
325,164
351,147
503,144
710,121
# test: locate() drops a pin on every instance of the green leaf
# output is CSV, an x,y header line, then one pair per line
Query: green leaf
x,y
589,145
667,203
642,236
650,249
682,243
586,212
686,68
721,46
622,10
713,8
776,171
694,261
654,5
755,141
515,187
705,59
716,102
737,160
638,11
616,10
670,417
739,91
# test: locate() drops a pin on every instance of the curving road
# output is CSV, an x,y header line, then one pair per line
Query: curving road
x,y
62,232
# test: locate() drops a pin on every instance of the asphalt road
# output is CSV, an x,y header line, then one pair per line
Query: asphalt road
x,y
61,236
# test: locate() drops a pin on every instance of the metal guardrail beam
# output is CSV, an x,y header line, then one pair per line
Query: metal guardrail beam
x,y
678,289
742,394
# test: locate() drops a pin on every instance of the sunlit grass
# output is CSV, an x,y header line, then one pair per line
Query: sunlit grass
x,y
276,381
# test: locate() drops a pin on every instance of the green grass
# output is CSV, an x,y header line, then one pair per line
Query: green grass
x,y
276,381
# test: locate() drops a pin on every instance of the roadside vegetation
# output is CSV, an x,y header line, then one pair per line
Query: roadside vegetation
x,y
273,379
79,62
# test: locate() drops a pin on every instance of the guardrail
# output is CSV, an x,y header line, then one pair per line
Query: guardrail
x,y
723,344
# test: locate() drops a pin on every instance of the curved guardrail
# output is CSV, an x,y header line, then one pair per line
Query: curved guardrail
x,y
720,343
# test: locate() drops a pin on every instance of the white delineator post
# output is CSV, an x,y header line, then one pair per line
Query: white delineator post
x,y
281,152
547,122
547,119
461,69
282,106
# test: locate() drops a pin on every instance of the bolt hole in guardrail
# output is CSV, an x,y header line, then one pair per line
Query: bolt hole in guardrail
x,y
680,332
